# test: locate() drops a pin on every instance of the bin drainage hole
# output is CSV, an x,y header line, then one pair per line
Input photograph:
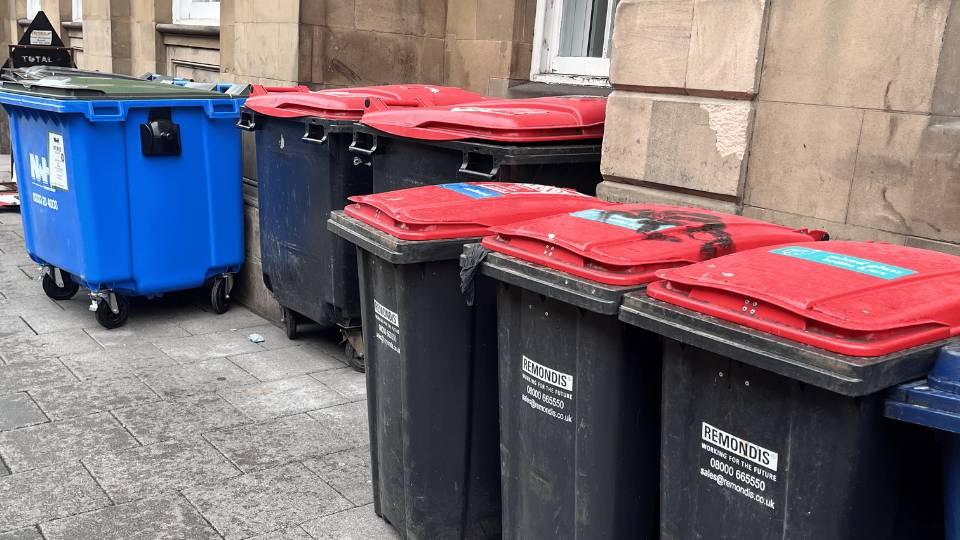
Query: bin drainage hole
x,y
721,374
746,383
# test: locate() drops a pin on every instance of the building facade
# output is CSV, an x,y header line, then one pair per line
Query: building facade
x,y
836,114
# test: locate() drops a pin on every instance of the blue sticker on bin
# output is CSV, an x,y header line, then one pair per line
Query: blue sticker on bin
x,y
846,262
472,191
613,217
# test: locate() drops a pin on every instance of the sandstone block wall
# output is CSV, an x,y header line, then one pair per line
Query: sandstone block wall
x,y
850,111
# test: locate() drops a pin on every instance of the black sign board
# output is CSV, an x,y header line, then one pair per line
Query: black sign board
x,y
40,46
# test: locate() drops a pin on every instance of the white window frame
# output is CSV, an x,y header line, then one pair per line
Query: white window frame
x,y
199,13
33,6
77,10
547,66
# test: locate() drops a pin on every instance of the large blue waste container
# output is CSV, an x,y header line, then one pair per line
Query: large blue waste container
x,y
128,187
935,402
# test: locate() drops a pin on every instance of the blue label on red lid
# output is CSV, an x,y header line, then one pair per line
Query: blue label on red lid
x,y
617,219
846,262
473,191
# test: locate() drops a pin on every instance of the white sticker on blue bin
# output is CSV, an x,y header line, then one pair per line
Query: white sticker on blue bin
x,y
58,162
613,217
846,262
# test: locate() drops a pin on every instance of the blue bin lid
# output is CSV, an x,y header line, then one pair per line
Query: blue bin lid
x,y
935,401
85,86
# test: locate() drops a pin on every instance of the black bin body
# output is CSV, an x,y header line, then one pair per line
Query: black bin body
x,y
305,170
403,162
598,476
421,406
733,398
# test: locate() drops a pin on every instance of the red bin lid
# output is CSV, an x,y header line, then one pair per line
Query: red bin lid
x,y
854,298
462,210
351,103
626,244
505,120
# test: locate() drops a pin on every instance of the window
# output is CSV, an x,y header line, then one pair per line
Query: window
x,y
574,41
33,6
196,12
77,10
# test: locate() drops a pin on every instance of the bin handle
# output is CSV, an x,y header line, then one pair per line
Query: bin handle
x,y
247,121
356,148
466,170
314,133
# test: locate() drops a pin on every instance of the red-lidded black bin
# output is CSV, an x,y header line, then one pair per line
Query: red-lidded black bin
x,y
431,358
773,369
552,140
579,390
304,171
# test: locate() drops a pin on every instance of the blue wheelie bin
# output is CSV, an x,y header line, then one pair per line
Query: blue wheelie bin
x,y
129,187
935,402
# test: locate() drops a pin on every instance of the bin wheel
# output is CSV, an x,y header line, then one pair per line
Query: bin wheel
x,y
110,320
219,300
69,289
354,358
290,322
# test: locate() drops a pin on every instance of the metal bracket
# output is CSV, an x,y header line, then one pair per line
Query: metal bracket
x,y
106,295
229,279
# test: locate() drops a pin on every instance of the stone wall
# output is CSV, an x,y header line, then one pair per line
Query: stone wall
x,y
837,114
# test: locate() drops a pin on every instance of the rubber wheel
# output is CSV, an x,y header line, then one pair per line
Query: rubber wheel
x,y
290,322
66,292
110,320
356,361
218,296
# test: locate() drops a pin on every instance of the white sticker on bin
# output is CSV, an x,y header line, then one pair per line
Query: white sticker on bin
x,y
547,390
58,162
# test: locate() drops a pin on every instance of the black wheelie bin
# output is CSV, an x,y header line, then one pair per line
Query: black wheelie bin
x,y
304,172
775,362
554,140
431,358
579,390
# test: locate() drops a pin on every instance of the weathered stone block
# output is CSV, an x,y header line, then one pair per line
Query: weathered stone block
x,y
471,64
688,143
907,175
802,159
495,19
462,19
628,193
407,17
879,54
353,58
838,231
705,47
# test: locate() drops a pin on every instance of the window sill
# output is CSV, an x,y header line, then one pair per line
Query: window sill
x,y
24,22
543,89
73,25
189,29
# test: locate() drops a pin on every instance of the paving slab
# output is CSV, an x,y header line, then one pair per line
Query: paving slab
x,y
151,470
20,286
349,422
200,377
163,518
265,501
359,523
138,330
288,362
282,397
180,418
47,444
208,346
26,348
4,471
18,410
47,494
348,472
115,362
288,533
346,382
13,325
86,397
30,533
33,375
272,443
207,322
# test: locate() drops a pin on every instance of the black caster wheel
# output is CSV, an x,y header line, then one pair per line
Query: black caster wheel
x,y
354,359
110,320
219,300
56,292
290,322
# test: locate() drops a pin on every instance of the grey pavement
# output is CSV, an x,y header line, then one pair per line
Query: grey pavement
x,y
174,426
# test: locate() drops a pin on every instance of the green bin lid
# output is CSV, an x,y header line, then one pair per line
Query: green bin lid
x,y
88,87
